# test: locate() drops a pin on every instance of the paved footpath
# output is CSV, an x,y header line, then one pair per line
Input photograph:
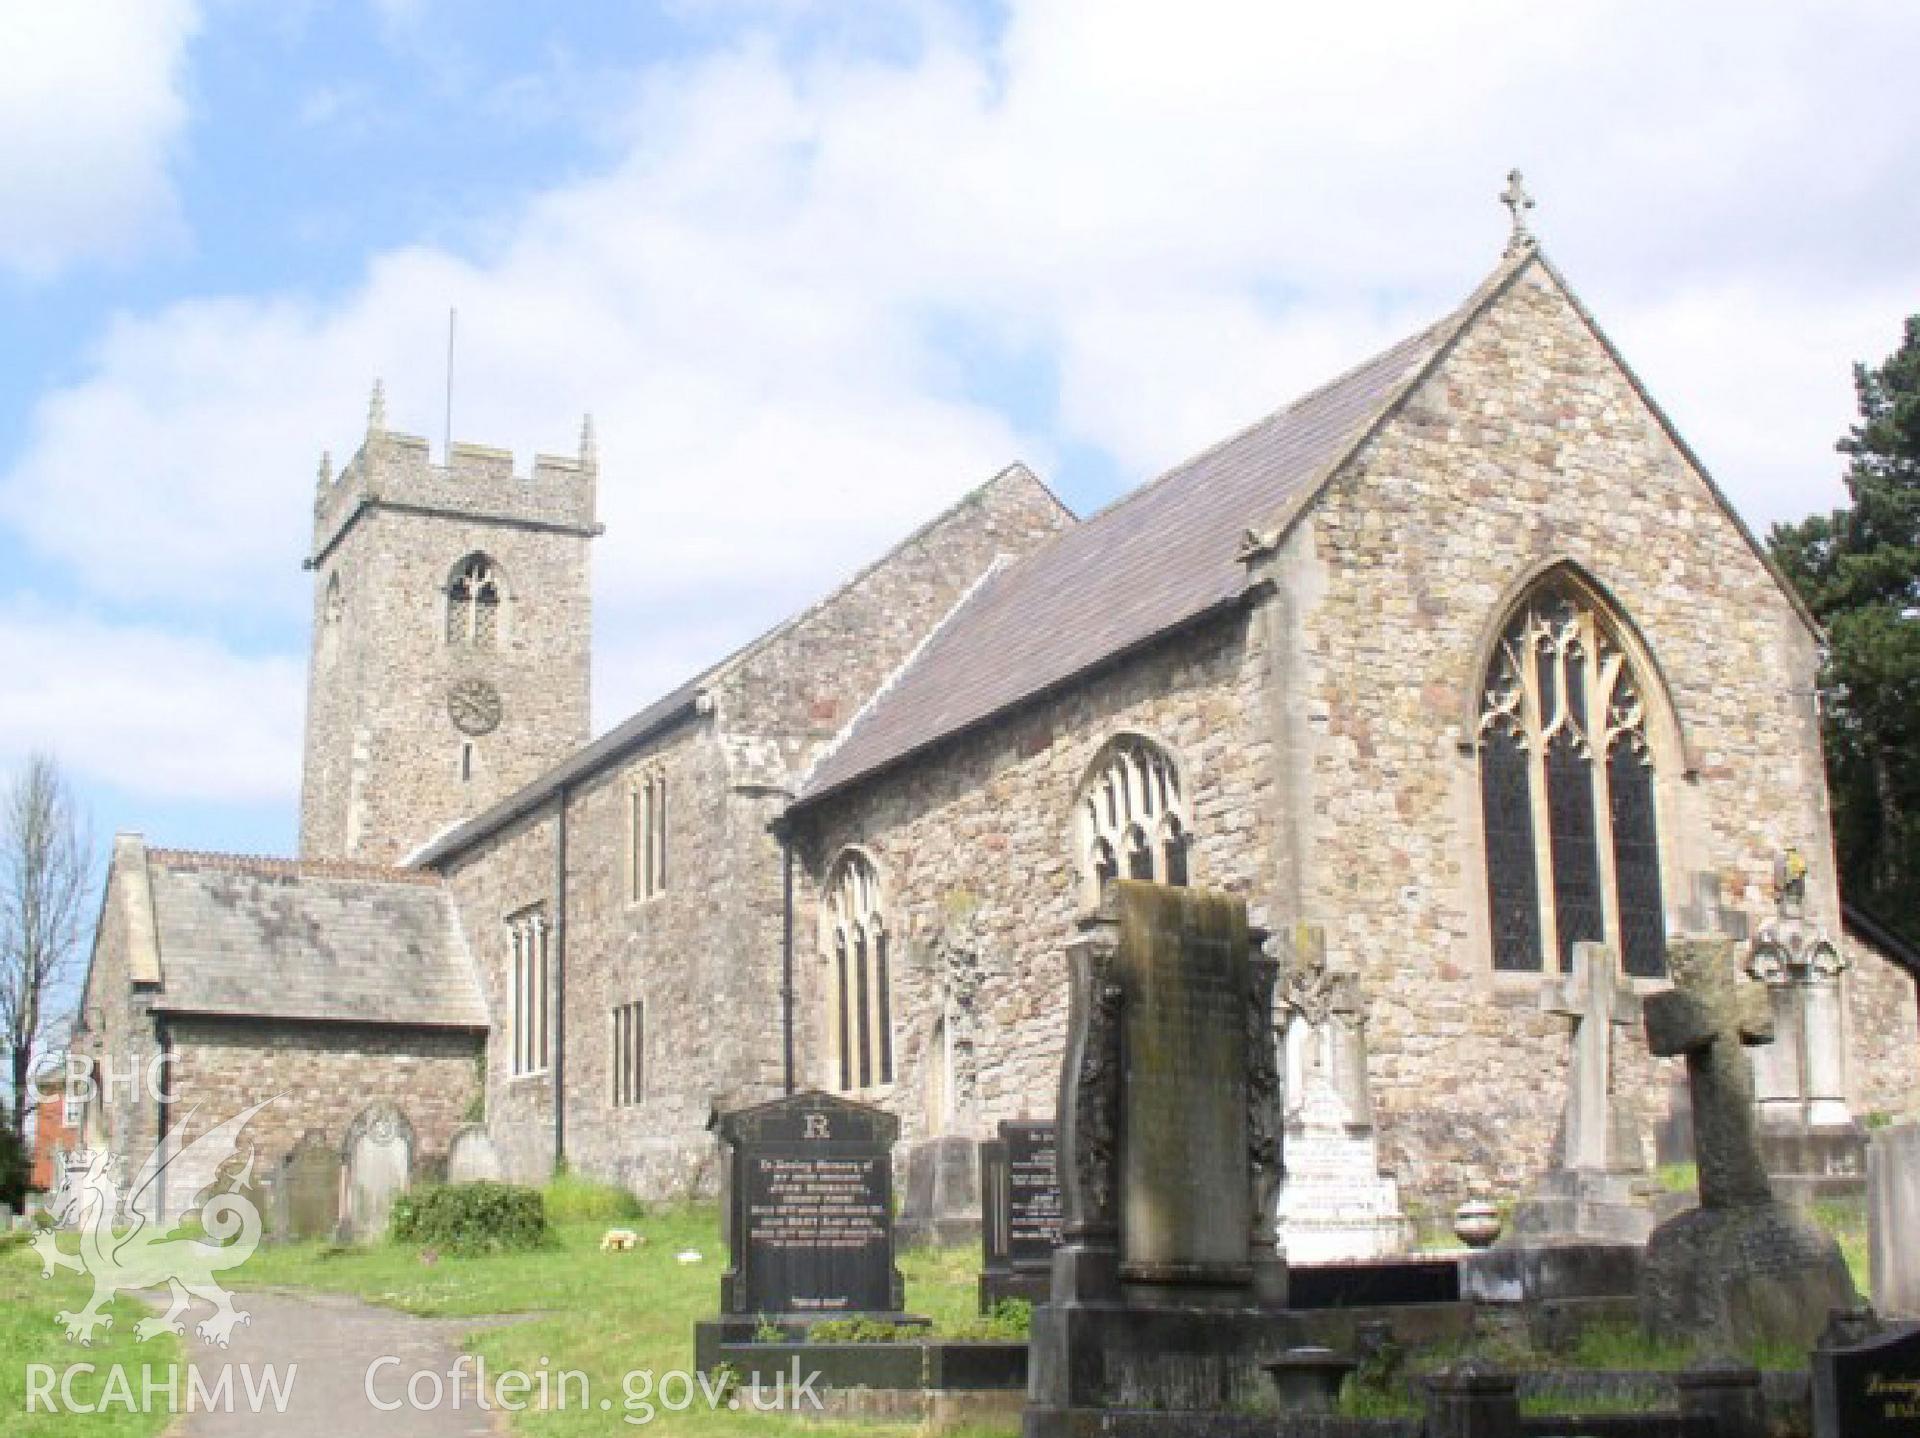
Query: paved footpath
x,y
333,1339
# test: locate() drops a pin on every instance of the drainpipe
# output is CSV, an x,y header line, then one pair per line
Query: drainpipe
x,y
559,959
786,951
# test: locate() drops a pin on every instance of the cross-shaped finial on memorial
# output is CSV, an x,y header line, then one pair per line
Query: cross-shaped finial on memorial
x,y
1518,202
1708,917
1708,1017
1597,1003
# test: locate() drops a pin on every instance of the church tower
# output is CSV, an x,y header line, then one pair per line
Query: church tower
x,y
451,625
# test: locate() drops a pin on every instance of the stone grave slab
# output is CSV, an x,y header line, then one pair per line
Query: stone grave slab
x,y
1167,1288
378,1158
1869,1388
1893,1219
307,1195
943,1191
471,1156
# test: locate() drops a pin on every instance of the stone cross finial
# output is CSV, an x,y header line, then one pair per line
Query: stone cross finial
x,y
1518,202
1597,1003
377,409
1707,916
589,445
325,475
1707,1018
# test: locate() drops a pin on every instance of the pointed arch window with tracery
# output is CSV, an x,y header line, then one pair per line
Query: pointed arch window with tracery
x,y
1567,790
1133,817
859,978
473,604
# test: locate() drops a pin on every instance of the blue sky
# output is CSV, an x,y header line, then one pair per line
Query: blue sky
x,y
817,269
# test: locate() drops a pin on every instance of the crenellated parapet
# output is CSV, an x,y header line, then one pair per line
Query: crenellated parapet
x,y
395,470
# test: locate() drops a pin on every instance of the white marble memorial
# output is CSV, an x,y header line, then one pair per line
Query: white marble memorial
x,y
1335,1204
1808,1136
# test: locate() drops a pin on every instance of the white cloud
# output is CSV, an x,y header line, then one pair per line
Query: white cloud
x,y
90,106
155,714
1187,217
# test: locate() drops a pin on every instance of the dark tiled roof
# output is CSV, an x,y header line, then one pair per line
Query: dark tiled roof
x,y
1156,560
299,940
663,712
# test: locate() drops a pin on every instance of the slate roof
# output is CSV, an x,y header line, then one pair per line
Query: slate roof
x,y
670,708
1157,560
277,938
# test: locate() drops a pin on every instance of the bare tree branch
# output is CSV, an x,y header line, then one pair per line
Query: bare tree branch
x,y
46,888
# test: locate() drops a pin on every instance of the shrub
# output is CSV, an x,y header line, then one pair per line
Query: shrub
x,y
1009,1319
572,1199
860,1330
472,1217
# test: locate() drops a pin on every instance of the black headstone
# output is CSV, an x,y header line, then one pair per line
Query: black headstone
x,y
1020,1212
1869,1389
811,1196
1033,1195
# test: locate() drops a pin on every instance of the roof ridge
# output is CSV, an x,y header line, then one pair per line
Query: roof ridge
x,y
793,620
270,865
600,750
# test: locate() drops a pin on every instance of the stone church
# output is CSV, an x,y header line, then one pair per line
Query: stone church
x,y
1461,659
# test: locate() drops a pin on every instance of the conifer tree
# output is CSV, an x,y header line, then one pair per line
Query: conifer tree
x,y
1859,570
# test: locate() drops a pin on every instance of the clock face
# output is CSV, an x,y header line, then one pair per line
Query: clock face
x,y
474,706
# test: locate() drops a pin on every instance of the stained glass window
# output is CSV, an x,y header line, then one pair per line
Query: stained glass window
x,y
862,1020
1512,888
1133,817
1558,691
1636,861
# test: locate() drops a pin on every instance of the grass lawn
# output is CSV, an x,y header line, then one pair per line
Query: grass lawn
x,y
29,1334
607,1315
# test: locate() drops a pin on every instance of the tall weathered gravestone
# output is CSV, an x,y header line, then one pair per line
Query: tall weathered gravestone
x,y
1166,1285
1893,1219
1593,1190
810,1193
1742,1266
471,1156
1335,1203
307,1193
1019,1213
378,1154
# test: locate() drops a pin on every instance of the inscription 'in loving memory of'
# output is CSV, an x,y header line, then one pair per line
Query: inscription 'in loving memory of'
x,y
817,1203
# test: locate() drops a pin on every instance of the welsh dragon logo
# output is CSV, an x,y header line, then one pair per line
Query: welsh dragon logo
x,y
139,1256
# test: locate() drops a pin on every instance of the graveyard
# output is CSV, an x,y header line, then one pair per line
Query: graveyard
x,y
1133,1272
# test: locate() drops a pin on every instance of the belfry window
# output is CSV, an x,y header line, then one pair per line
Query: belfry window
x,y
1567,794
1133,817
473,604
859,977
